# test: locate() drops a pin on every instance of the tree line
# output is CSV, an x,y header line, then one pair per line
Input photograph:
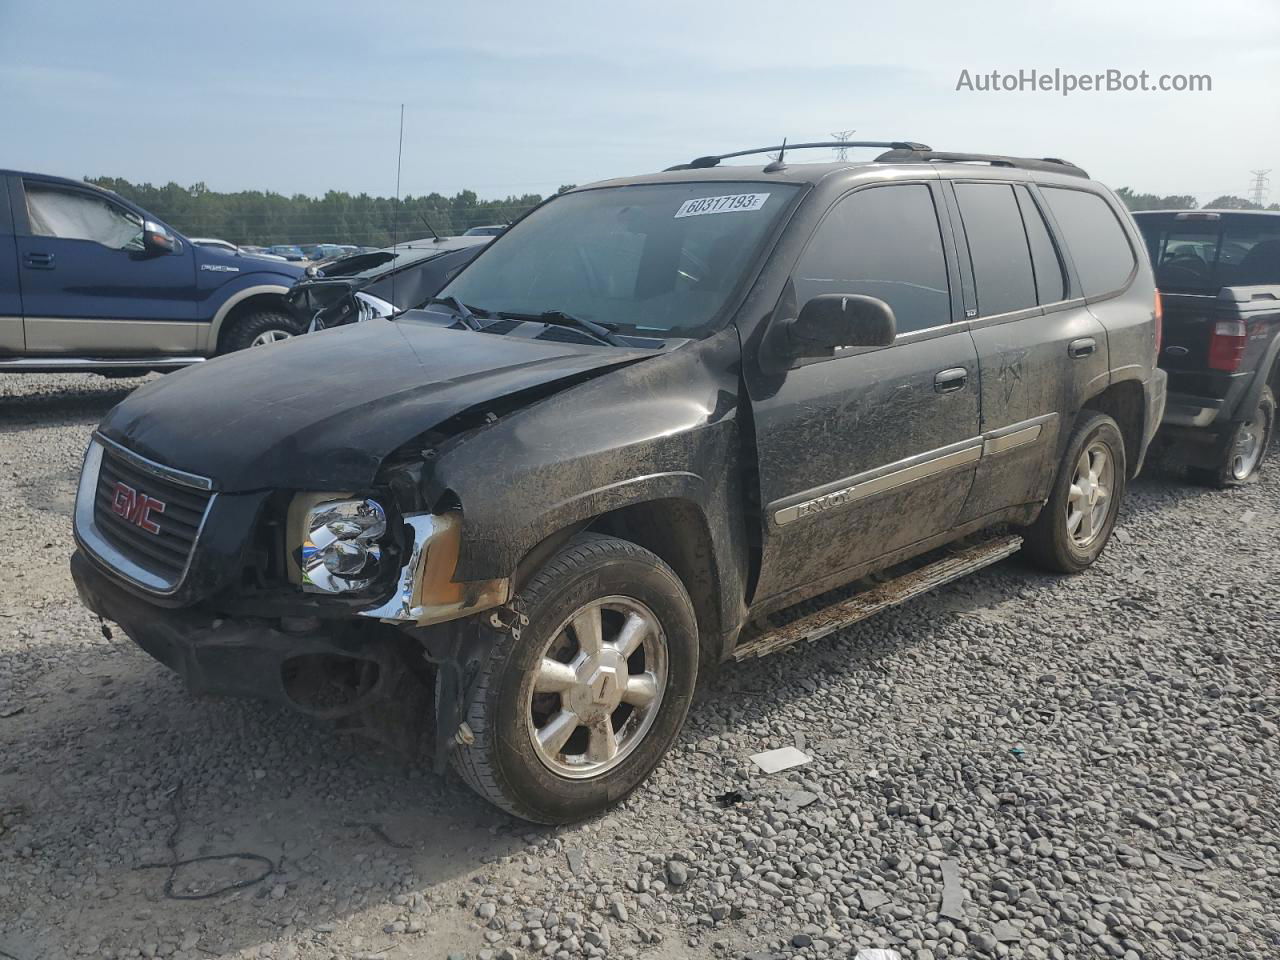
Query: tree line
x,y
1184,201
264,218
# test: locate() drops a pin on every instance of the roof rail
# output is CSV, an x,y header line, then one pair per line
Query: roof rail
x,y
1050,164
700,163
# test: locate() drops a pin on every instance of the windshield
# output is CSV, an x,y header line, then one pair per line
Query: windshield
x,y
653,257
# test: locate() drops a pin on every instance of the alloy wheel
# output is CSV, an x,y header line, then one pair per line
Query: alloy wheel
x,y
597,687
270,336
1089,496
1248,447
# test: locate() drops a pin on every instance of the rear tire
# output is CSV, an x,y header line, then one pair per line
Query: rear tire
x,y
575,713
259,329
1245,448
1076,522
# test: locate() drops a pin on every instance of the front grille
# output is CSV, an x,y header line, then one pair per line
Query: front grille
x,y
165,551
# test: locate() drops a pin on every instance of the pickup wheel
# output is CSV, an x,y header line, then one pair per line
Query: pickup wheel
x,y
1245,447
260,329
1076,522
573,711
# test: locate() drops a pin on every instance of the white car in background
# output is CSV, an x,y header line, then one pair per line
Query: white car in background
x,y
232,248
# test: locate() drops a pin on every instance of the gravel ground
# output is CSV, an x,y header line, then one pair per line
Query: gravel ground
x,y
1015,766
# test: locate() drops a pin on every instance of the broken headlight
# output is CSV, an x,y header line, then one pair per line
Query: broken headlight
x,y
342,548
369,307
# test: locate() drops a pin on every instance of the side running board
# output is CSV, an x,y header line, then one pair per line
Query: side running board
x,y
828,620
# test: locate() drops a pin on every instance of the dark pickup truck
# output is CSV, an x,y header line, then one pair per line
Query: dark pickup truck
x,y
1218,272
624,443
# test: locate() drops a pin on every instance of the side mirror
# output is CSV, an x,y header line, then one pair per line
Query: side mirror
x,y
155,239
834,320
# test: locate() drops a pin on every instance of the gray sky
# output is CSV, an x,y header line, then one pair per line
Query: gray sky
x,y
505,97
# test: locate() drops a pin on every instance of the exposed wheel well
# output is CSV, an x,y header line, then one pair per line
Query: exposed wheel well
x,y
1125,403
249,305
674,530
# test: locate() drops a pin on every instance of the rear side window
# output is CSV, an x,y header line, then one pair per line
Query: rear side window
x,y
1250,252
881,242
997,246
1093,234
1050,283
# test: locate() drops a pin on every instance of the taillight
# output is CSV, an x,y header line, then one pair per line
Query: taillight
x,y
1159,318
1226,346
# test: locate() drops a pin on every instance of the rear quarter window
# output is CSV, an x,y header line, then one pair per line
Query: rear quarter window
x,y
1098,243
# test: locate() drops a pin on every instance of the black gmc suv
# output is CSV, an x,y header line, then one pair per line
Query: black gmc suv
x,y
1219,277
624,443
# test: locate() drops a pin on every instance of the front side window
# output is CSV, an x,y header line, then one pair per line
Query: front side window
x,y
882,242
997,246
1093,234
659,257
72,215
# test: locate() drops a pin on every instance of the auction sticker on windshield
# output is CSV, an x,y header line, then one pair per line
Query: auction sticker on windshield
x,y
733,203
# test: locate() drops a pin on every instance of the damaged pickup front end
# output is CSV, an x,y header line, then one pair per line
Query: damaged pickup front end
x,y
297,551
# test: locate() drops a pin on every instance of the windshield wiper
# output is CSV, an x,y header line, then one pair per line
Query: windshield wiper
x,y
601,331
461,310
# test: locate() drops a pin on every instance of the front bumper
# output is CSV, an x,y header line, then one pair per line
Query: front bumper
x,y
403,701
244,657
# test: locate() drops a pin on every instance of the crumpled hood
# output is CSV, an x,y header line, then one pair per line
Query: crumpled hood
x,y
321,412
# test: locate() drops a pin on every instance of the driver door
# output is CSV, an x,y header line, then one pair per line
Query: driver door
x,y
873,449
88,288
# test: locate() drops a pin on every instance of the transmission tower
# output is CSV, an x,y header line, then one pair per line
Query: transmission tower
x,y
842,153
1260,187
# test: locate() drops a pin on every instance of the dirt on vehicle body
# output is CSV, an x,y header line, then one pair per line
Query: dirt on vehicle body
x,y
649,415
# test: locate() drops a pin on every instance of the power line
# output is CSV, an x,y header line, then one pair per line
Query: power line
x,y
842,153
1260,187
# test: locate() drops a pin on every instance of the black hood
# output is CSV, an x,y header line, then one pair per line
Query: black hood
x,y
321,412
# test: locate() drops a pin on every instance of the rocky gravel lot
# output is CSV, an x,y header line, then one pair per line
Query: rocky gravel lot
x,y
1016,766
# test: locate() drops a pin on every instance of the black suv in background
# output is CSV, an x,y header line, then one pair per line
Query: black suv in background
x,y
1219,277
624,442
378,283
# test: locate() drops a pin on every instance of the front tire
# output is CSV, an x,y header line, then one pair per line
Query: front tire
x,y
575,713
1076,522
1245,448
260,329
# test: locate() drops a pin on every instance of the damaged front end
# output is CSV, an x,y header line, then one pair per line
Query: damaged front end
x,y
340,606
293,546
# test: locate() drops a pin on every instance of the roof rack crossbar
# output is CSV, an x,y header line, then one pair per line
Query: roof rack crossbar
x,y
1049,164
700,163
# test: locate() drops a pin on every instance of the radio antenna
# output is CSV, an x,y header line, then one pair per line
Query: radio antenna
x,y
438,238
395,211
779,163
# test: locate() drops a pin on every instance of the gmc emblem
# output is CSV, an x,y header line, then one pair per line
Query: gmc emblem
x,y
136,507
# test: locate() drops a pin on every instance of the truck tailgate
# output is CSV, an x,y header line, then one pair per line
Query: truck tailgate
x,y
1189,322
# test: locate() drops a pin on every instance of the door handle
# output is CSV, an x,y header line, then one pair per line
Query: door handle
x,y
1082,347
951,379
39,261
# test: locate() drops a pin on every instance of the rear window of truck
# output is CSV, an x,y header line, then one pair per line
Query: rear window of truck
x,y
1199,254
